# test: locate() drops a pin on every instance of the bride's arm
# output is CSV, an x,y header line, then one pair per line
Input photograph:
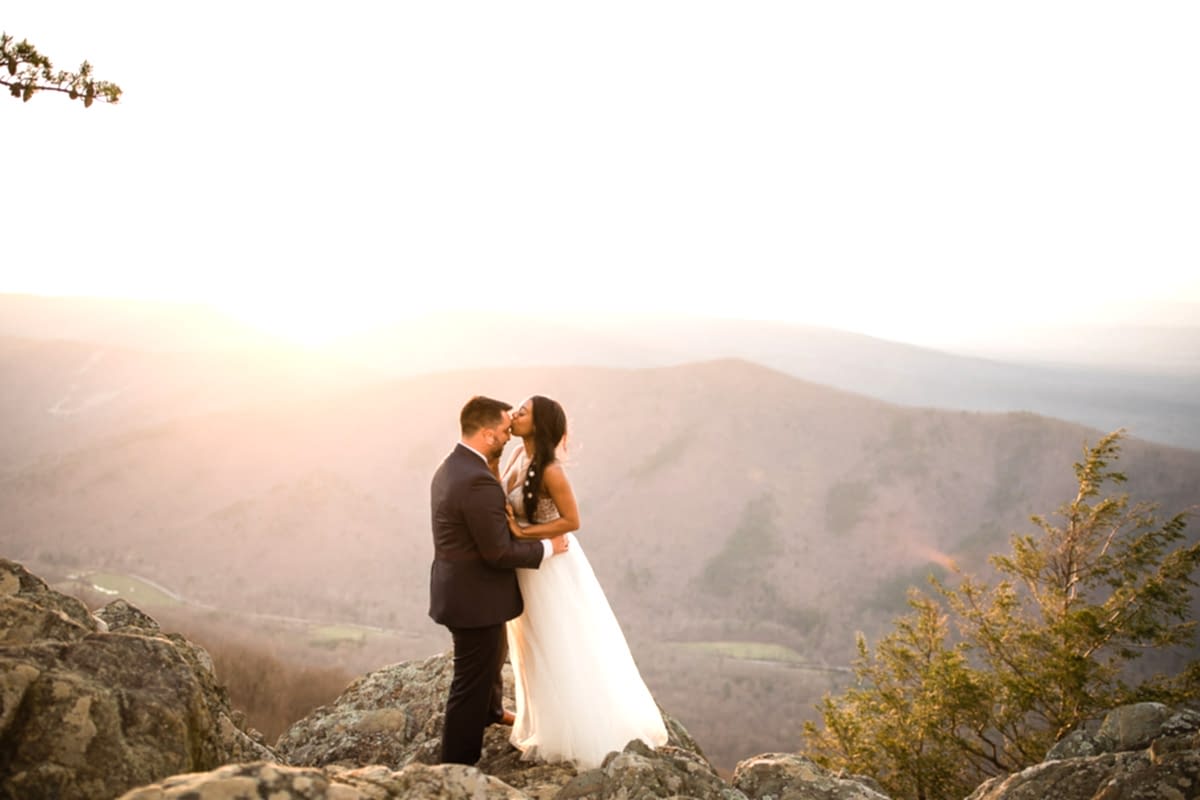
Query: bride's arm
x,y
555,482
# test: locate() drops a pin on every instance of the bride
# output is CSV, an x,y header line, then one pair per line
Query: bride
x,y
579,694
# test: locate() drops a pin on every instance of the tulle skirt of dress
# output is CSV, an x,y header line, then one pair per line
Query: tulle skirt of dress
x,y
579,694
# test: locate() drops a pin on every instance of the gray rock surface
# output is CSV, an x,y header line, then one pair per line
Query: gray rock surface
x,y
1134,726
788,776
88,713
1077,744
120,614
639,773
1145,750
31,611
267,780
393,716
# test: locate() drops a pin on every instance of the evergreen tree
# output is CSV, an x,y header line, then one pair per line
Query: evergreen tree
x,y
980,680
899,723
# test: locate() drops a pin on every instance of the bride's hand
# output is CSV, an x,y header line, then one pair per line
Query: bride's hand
x,y
513,527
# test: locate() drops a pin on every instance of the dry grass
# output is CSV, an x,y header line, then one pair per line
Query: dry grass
x,y
273,690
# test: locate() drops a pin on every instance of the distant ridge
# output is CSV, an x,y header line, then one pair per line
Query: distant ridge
x,y
1159,406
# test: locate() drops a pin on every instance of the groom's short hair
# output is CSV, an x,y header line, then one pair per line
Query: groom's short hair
x,y
481,412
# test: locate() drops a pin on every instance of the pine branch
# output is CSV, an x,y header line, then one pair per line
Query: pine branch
x,y
30,72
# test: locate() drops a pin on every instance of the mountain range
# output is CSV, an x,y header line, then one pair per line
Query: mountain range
x,y
1150,385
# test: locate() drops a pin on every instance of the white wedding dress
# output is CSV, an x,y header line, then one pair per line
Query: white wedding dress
x,y
579,694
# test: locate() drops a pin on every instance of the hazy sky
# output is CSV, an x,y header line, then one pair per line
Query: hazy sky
x,y
921,171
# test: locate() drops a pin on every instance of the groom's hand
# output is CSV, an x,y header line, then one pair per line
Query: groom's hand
x,y
559,543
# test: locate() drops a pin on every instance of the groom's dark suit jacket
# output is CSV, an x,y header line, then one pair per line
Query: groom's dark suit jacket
x,y
471,582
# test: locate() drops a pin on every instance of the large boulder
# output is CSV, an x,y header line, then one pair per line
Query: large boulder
x,y
31,611
1135,726
640,773
392,716
93,706
788,776
1141,750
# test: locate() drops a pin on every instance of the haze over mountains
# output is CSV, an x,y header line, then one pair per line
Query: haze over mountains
x,y
1145,379
724,497
1157,398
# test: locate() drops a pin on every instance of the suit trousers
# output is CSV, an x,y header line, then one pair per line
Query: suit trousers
x,y
476,692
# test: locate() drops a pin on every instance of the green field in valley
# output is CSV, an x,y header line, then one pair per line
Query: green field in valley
x,y
332,635
135,590
755,651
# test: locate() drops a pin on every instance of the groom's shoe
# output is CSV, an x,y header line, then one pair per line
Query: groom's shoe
x,y
507,718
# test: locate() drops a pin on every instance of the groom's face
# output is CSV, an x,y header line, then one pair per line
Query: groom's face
x,y
495,438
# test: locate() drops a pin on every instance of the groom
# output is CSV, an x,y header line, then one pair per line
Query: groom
x,y
473,587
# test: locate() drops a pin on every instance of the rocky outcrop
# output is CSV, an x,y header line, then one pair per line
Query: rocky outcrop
x,y
448,782
93,706
637,773
394,716
1145,750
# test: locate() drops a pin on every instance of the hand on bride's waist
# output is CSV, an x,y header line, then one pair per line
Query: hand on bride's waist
x,y
520,528
546,529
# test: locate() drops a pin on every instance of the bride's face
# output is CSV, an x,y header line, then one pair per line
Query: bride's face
x,y
522,420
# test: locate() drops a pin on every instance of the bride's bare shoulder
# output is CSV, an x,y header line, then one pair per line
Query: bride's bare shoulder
x,y
555,473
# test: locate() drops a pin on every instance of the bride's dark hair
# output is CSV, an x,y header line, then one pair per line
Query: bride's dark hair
x,y
549,430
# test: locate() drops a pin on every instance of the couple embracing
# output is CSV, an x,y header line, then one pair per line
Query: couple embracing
x,y
509,578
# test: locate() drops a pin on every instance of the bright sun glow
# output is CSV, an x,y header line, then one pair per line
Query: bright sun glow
x,y
298,326
884,168
310,321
